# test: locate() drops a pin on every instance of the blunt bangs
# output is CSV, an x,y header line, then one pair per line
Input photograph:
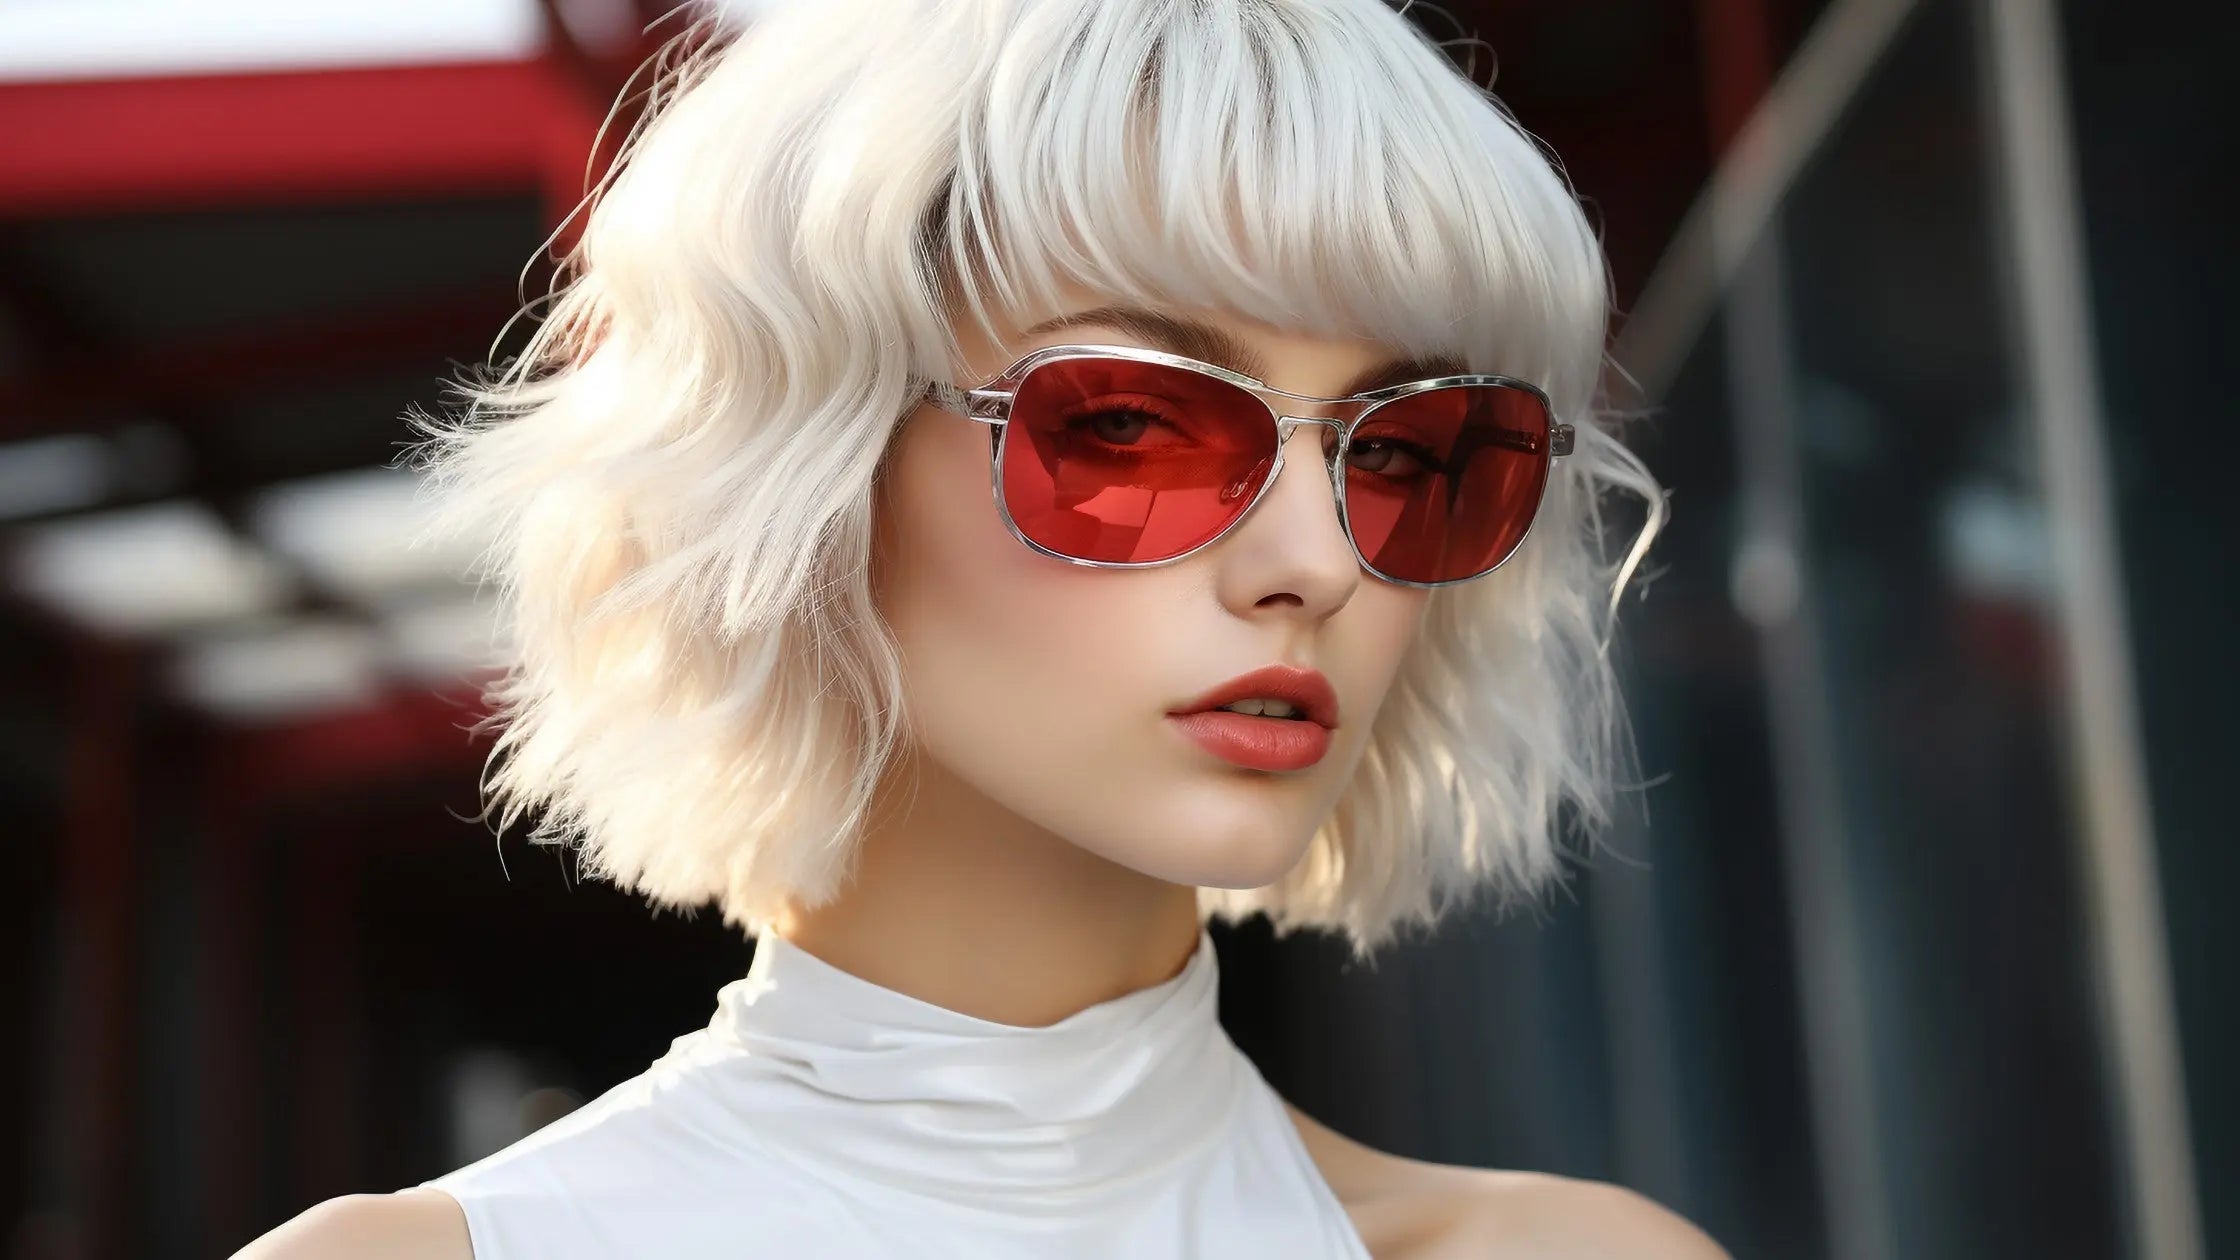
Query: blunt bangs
x,y
1318,167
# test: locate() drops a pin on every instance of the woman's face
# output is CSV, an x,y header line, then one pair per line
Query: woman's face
x,y
1046,687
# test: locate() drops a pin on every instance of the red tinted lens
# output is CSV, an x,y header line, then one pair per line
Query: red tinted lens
x,y
1121,461
1442,485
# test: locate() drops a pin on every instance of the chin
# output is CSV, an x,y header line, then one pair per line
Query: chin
x,y
1250,856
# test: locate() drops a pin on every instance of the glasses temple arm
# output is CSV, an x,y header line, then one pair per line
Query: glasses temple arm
x,y
990,406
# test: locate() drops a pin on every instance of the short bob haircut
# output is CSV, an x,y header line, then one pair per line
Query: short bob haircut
x,y
675,478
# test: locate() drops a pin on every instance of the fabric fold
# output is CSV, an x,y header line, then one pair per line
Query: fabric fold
x,y
975,1111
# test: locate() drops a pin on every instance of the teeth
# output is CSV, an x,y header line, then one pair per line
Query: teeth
x,y
1265,708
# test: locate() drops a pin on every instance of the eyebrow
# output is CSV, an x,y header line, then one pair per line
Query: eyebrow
x,y
1209,343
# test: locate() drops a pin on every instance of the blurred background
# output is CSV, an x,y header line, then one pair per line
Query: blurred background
x,y
1909,946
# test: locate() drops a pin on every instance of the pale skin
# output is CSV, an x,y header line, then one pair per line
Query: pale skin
x,y
1049,782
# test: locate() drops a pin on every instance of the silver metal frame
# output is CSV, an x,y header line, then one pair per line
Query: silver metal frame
x,y
990,404
2051,317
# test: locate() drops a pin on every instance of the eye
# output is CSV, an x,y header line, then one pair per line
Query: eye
x,y
1391,457
1121,422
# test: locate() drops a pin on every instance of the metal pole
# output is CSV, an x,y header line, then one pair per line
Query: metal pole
x,y
2053,322
1773,586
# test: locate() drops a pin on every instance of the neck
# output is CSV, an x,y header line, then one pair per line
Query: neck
x,y
957,901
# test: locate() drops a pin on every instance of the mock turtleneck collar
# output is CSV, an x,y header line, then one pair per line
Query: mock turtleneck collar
x,y
1005,1118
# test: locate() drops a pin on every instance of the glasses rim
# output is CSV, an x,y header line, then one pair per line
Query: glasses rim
x,y
989,403
990,400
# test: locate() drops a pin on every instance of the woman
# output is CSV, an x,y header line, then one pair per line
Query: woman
x,y
1007,482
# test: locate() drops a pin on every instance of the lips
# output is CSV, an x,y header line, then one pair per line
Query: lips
x,y
1306,689
1255,743
1264,743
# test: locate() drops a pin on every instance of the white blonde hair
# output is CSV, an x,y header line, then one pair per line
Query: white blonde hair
x,y
678,471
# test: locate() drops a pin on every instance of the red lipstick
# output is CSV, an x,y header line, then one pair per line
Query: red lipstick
x,y
1264,742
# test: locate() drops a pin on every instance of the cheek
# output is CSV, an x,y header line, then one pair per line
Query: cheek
x,y
1371,639
1042,686
1012,658
1386,623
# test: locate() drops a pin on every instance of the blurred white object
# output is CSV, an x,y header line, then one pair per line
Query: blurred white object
x,y
1764,582
494,1102
91,39
439,640
279,667
1995,541
148,570
353,533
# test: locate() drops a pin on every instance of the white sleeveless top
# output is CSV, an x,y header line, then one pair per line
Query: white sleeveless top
x,y
820,1114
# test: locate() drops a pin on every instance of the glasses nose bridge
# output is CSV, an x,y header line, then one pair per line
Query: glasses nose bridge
x,y
1288,425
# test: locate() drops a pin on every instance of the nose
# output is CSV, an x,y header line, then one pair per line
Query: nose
x,y
1292,549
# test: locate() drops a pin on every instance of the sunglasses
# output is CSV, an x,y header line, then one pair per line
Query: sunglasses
x,y
1125,458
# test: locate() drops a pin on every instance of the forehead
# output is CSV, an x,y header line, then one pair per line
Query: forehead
x,y
1210,339
1073,312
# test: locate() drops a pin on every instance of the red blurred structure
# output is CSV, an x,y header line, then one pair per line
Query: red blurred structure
x,y
90,147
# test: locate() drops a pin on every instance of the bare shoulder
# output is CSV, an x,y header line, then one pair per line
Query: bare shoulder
x,y
1411,1209
421,1224
1541,1215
